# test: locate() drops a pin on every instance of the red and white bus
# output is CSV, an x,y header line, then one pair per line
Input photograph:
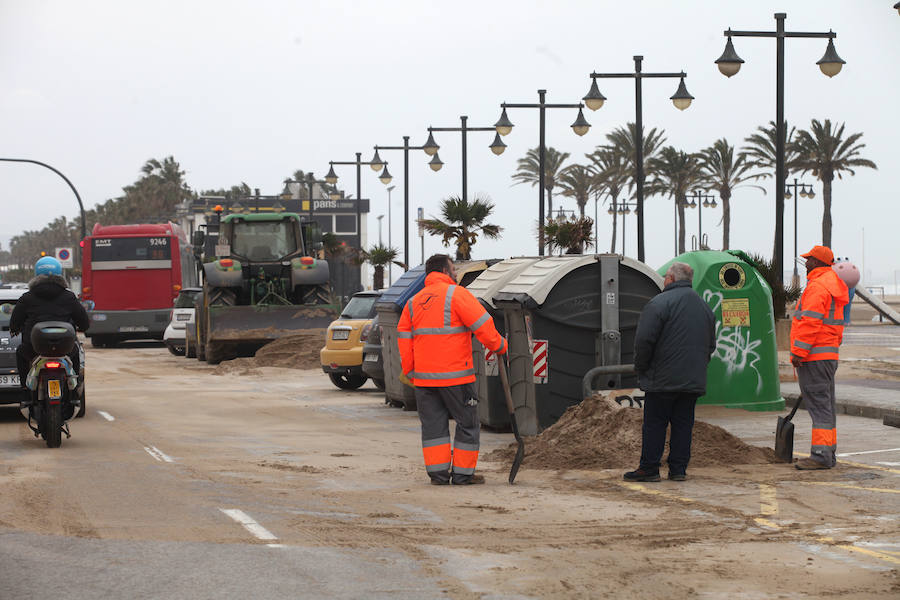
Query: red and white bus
x,y
131,277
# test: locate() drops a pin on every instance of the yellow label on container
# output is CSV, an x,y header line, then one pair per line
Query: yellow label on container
x,y
736,312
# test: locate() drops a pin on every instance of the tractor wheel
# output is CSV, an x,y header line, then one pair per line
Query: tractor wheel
x,y
347,382
216,353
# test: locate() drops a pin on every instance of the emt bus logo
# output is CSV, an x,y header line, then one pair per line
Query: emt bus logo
x,y
539,353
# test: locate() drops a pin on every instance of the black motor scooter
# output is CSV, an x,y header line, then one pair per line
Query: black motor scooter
x,y
52,382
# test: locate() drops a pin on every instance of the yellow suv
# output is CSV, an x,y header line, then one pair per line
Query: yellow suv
x,y
342,355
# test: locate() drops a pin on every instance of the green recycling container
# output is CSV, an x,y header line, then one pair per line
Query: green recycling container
x,y
743,371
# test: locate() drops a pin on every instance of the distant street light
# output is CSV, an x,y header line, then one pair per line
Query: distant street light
x,y
497,147
681,99
795,279
730,63
331,177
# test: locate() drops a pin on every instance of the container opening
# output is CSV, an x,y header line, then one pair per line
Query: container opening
x,y
611,383
731,277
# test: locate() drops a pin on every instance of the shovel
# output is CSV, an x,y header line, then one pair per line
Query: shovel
x,y
520,451
784,435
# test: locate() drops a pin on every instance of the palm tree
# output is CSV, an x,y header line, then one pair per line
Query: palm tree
x,y
760,150
621,140
579,182
572,235
612,175
529,170
823,151
724,173
463,222
378,256
674,173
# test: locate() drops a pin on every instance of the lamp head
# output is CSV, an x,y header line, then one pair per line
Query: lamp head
x,y
681,98
594,99
830,64
435,163
331,177
497,146
430,146
729,63
385,176
376,163
580,126
504,125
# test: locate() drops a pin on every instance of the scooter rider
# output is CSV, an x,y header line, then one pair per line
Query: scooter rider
x,y
47,299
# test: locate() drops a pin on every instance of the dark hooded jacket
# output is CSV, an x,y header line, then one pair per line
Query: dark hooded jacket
x,y
676,334
47,299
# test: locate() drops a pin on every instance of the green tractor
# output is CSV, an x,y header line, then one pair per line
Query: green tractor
x,y
265,282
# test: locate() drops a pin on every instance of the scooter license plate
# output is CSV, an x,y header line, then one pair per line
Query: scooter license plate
x,y
53,389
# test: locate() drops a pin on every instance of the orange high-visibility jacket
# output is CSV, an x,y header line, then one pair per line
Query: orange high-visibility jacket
x,y
435,333
818,325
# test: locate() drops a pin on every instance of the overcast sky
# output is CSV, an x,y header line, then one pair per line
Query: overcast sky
x,y
251,91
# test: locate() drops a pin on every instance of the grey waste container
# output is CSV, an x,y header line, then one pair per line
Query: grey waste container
x,y
492,411
565,315
389,308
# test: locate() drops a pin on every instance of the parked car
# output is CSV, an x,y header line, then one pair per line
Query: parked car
x,y
10,390
373,363
181,315
342,355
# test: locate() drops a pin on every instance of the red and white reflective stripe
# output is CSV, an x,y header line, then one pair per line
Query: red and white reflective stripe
x,y
539,350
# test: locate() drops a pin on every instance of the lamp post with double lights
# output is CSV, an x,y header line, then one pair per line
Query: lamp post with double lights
x,y
390,188
504,126
730,63
681,98
309,181
708,201
623,208
376,164
795,278
331,178
497,146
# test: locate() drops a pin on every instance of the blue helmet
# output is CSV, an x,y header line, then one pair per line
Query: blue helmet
x,y
47,266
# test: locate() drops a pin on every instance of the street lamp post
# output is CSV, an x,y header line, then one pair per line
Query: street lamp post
x,y
376,160
681,98
497,146
708,201
69,183
730,63
331,177
504,127
624,208
795,278
390,188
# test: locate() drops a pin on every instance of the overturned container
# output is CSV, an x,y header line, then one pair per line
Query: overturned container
x,y
389,308
564,316
743,370
492,411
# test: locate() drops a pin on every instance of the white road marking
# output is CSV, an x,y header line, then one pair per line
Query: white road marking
x,y
890,464
250,525
106,415
868,452
158,454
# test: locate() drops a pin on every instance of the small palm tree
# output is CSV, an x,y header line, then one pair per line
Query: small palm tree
x,y
379,256
612,177
823,151
529,170
570,234
724,173
463,222
579,182
675,172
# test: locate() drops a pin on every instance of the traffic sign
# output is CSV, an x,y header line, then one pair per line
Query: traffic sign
x,y
64,256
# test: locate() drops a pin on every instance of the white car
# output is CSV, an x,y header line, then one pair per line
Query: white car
x,y
182,314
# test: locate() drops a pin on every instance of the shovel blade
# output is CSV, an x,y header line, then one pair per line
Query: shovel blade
x,y
784,440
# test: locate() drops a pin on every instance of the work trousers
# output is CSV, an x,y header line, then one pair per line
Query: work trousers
x,y
660,410
436,406
816,379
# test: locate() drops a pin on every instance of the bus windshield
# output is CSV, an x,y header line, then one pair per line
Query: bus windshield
x,y
262,240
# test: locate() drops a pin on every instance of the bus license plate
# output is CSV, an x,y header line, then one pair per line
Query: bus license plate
x,y
53,389
9,381
340,334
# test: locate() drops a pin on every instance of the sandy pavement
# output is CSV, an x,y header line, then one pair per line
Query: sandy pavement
x,y
319,467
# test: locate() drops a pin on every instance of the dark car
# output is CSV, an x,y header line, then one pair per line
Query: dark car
x,y
10,390
373,363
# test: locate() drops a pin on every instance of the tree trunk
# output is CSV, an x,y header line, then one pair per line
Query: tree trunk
x,y
581,203
681,228
549,215
612,246
827,178
378,279
725,196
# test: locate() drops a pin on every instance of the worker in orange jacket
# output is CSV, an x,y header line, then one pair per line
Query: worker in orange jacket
x,y
435,342
816,333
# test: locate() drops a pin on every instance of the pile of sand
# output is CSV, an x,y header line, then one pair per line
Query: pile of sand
x,y
295,351
599,434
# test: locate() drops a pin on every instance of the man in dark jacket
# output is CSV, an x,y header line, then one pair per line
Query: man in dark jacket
x,y
47,299
675,337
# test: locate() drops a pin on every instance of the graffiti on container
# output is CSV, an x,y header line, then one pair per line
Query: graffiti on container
x,y
734,345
